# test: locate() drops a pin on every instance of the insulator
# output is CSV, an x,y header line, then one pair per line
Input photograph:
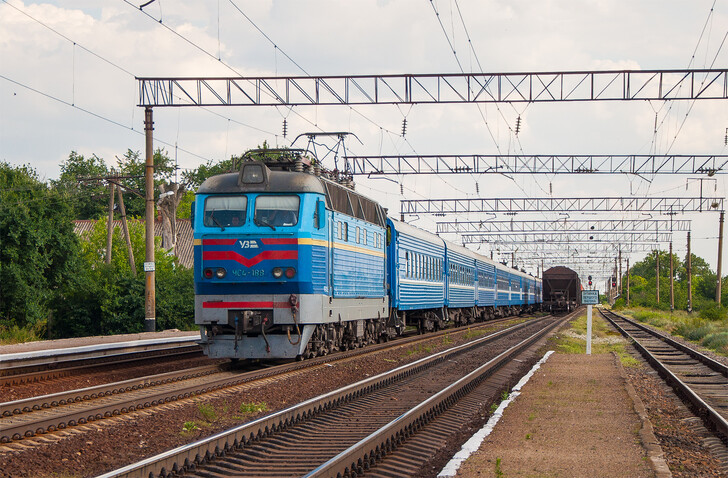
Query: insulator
x,y
477,188
518,124
285,127
404,127
401,189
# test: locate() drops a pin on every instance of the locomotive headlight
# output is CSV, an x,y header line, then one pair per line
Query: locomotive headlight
x,y
277,272
290,272
207,273
220,273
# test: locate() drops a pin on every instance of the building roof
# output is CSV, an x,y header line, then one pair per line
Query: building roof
x,y
183,243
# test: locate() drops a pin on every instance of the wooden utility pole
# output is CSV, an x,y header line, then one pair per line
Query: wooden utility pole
x,y
122,210
619,276
690,277
110,225
720,258
628,281
657,254
150,318
672,288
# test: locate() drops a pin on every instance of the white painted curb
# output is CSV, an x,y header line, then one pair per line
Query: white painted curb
x,y
472,445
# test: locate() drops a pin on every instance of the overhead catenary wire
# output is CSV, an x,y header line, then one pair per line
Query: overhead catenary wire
x,y
118,67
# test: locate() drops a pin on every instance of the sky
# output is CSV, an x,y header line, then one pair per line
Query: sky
x,y
67,83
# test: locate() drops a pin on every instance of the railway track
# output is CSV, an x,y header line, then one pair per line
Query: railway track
x,y
30,367
29,417
392,423
698,379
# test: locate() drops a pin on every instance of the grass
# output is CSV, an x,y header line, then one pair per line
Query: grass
x,y
473,334
498,471
708,330
17,335
604,340
248,408
207,411
420,349
189,427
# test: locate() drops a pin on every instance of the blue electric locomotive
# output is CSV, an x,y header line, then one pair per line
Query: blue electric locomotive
x,y
287,264
290,264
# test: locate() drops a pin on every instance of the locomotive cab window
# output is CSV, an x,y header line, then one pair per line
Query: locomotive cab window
x,y
276,211
225,211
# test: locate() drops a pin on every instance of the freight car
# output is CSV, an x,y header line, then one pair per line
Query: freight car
x,y
561,289
292,264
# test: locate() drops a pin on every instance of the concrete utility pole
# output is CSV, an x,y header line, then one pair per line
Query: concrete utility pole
x,y
720,258
150,317
690,277
672,288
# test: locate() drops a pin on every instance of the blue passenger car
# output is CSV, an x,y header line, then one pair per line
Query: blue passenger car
x,y
461,277
416,268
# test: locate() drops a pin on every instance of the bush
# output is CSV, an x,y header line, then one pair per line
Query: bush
x,y
714,312
716,341
693,329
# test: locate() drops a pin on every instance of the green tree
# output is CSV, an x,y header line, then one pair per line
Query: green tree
x,y
89,198
134,166
643,282
38,248
108,299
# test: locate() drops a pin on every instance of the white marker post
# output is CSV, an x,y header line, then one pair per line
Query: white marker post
x,y
589,298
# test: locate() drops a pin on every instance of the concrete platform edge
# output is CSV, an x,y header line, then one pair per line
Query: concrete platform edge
x,y
655,455
473,444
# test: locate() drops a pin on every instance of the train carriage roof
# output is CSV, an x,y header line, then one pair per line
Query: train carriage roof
x,y
404,228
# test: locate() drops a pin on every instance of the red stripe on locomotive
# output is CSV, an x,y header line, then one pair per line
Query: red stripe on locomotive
x,y
263,256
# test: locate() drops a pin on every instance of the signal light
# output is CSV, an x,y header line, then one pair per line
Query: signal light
x,y
590,282
220,273
208,273
277,272
290,272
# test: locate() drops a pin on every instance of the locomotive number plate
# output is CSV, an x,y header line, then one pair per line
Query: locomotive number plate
x,y
248,273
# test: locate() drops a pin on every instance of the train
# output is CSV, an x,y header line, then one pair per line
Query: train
x,y
561,289
291,262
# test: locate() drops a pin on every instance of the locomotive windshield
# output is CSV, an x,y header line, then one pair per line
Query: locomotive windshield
x,y
225,211
276,211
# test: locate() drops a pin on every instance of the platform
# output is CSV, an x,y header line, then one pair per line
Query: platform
x,y
577,416
93,340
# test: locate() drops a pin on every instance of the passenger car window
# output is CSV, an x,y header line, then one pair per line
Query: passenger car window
x,y
225,211
276,211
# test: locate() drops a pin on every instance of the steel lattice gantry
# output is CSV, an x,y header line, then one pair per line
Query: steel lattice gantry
x,y
562,260
664,205
617,85
562,225
535,164
569,238
593,248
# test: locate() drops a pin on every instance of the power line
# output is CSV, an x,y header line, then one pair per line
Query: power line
x,y
96,115
120,68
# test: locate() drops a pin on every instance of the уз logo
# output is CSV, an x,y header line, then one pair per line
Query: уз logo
x,y
248,244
